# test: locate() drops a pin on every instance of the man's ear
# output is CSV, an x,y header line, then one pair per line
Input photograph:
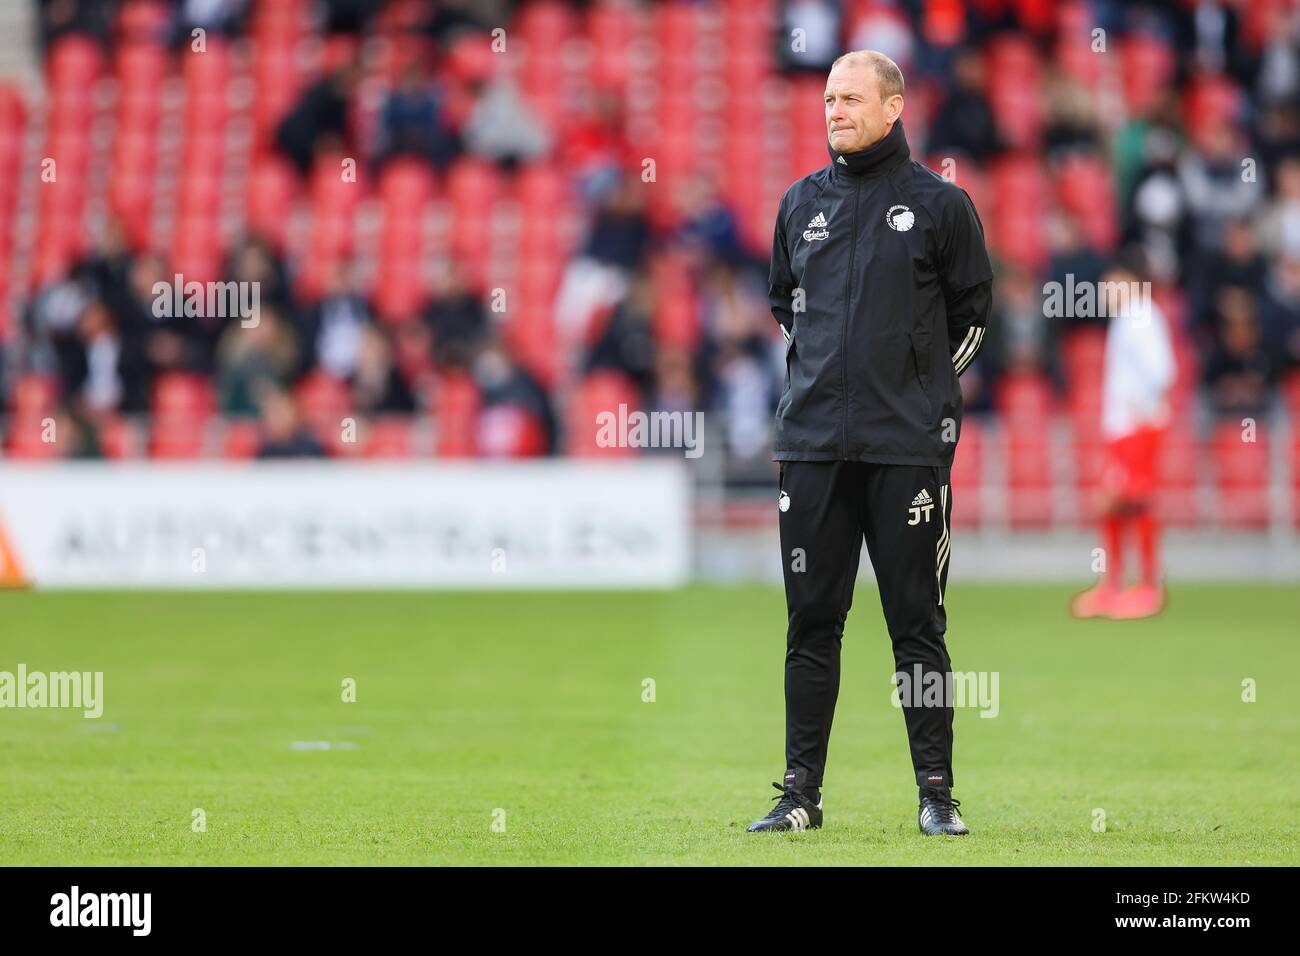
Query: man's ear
x,y
893,108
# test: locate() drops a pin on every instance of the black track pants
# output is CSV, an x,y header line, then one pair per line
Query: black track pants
x,y
826,509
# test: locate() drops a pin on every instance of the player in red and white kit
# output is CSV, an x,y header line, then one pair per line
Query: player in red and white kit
x,y
1139,371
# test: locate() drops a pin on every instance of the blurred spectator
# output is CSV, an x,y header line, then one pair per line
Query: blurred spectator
x,y
1159,214
883,27
965,121
347,16
1279,223
624,341
593,146
1237,262
318,122
254,360
597,278
283,434
377,384
1279,314
331,331
215,17
1071,117
1278,76
450,20
516,418
413,359
738,339
707,224
1239,372
808,35
1215,187
51,321
1277,134
1022,336
151,343
1073,256
253,260
458,321
620,233
501,128
100,388
56,19
411,123
675,388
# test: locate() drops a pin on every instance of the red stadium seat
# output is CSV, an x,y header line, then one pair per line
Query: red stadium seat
x,y
196,251
331,193
1014,90
29,436
177,439
1030,481
1291,395
1148,64
1178,501
74,62
968,476
599,393
141,68
1025,398
674,321
389,437
182,393
405,186
457,405
400,288
120,439
182,406
1084,354
1084,187
241,439
143,22
1241,472
508,431
324,400
269,195
34,395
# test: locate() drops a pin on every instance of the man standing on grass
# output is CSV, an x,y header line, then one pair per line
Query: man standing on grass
x,y
882,285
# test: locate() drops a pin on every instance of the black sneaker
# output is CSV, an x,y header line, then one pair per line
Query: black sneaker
x,y
938,813
795,811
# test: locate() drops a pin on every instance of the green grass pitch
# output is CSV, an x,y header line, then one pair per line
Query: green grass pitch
x,y
511,729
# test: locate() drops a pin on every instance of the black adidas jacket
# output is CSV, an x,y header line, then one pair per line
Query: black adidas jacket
x,y
882,284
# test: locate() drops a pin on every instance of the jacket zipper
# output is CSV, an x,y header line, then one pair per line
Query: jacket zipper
x,y
844,333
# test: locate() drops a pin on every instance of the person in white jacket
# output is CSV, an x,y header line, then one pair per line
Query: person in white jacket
x,y
1139,372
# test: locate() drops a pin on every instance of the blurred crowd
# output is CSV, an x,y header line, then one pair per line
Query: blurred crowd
x,y
1224,245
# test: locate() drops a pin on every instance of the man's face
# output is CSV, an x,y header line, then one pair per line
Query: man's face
x,y
856,116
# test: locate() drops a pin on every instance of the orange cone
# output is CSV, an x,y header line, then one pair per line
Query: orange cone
x,y
11,569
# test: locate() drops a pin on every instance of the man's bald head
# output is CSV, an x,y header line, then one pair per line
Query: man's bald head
x,y
888,76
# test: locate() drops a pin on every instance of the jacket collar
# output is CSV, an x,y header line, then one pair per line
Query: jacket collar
x,y
878,158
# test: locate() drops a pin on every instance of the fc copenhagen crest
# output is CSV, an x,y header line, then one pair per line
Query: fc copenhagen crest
x,y
900,218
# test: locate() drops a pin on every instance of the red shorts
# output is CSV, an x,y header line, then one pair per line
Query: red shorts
x,y
1130,469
